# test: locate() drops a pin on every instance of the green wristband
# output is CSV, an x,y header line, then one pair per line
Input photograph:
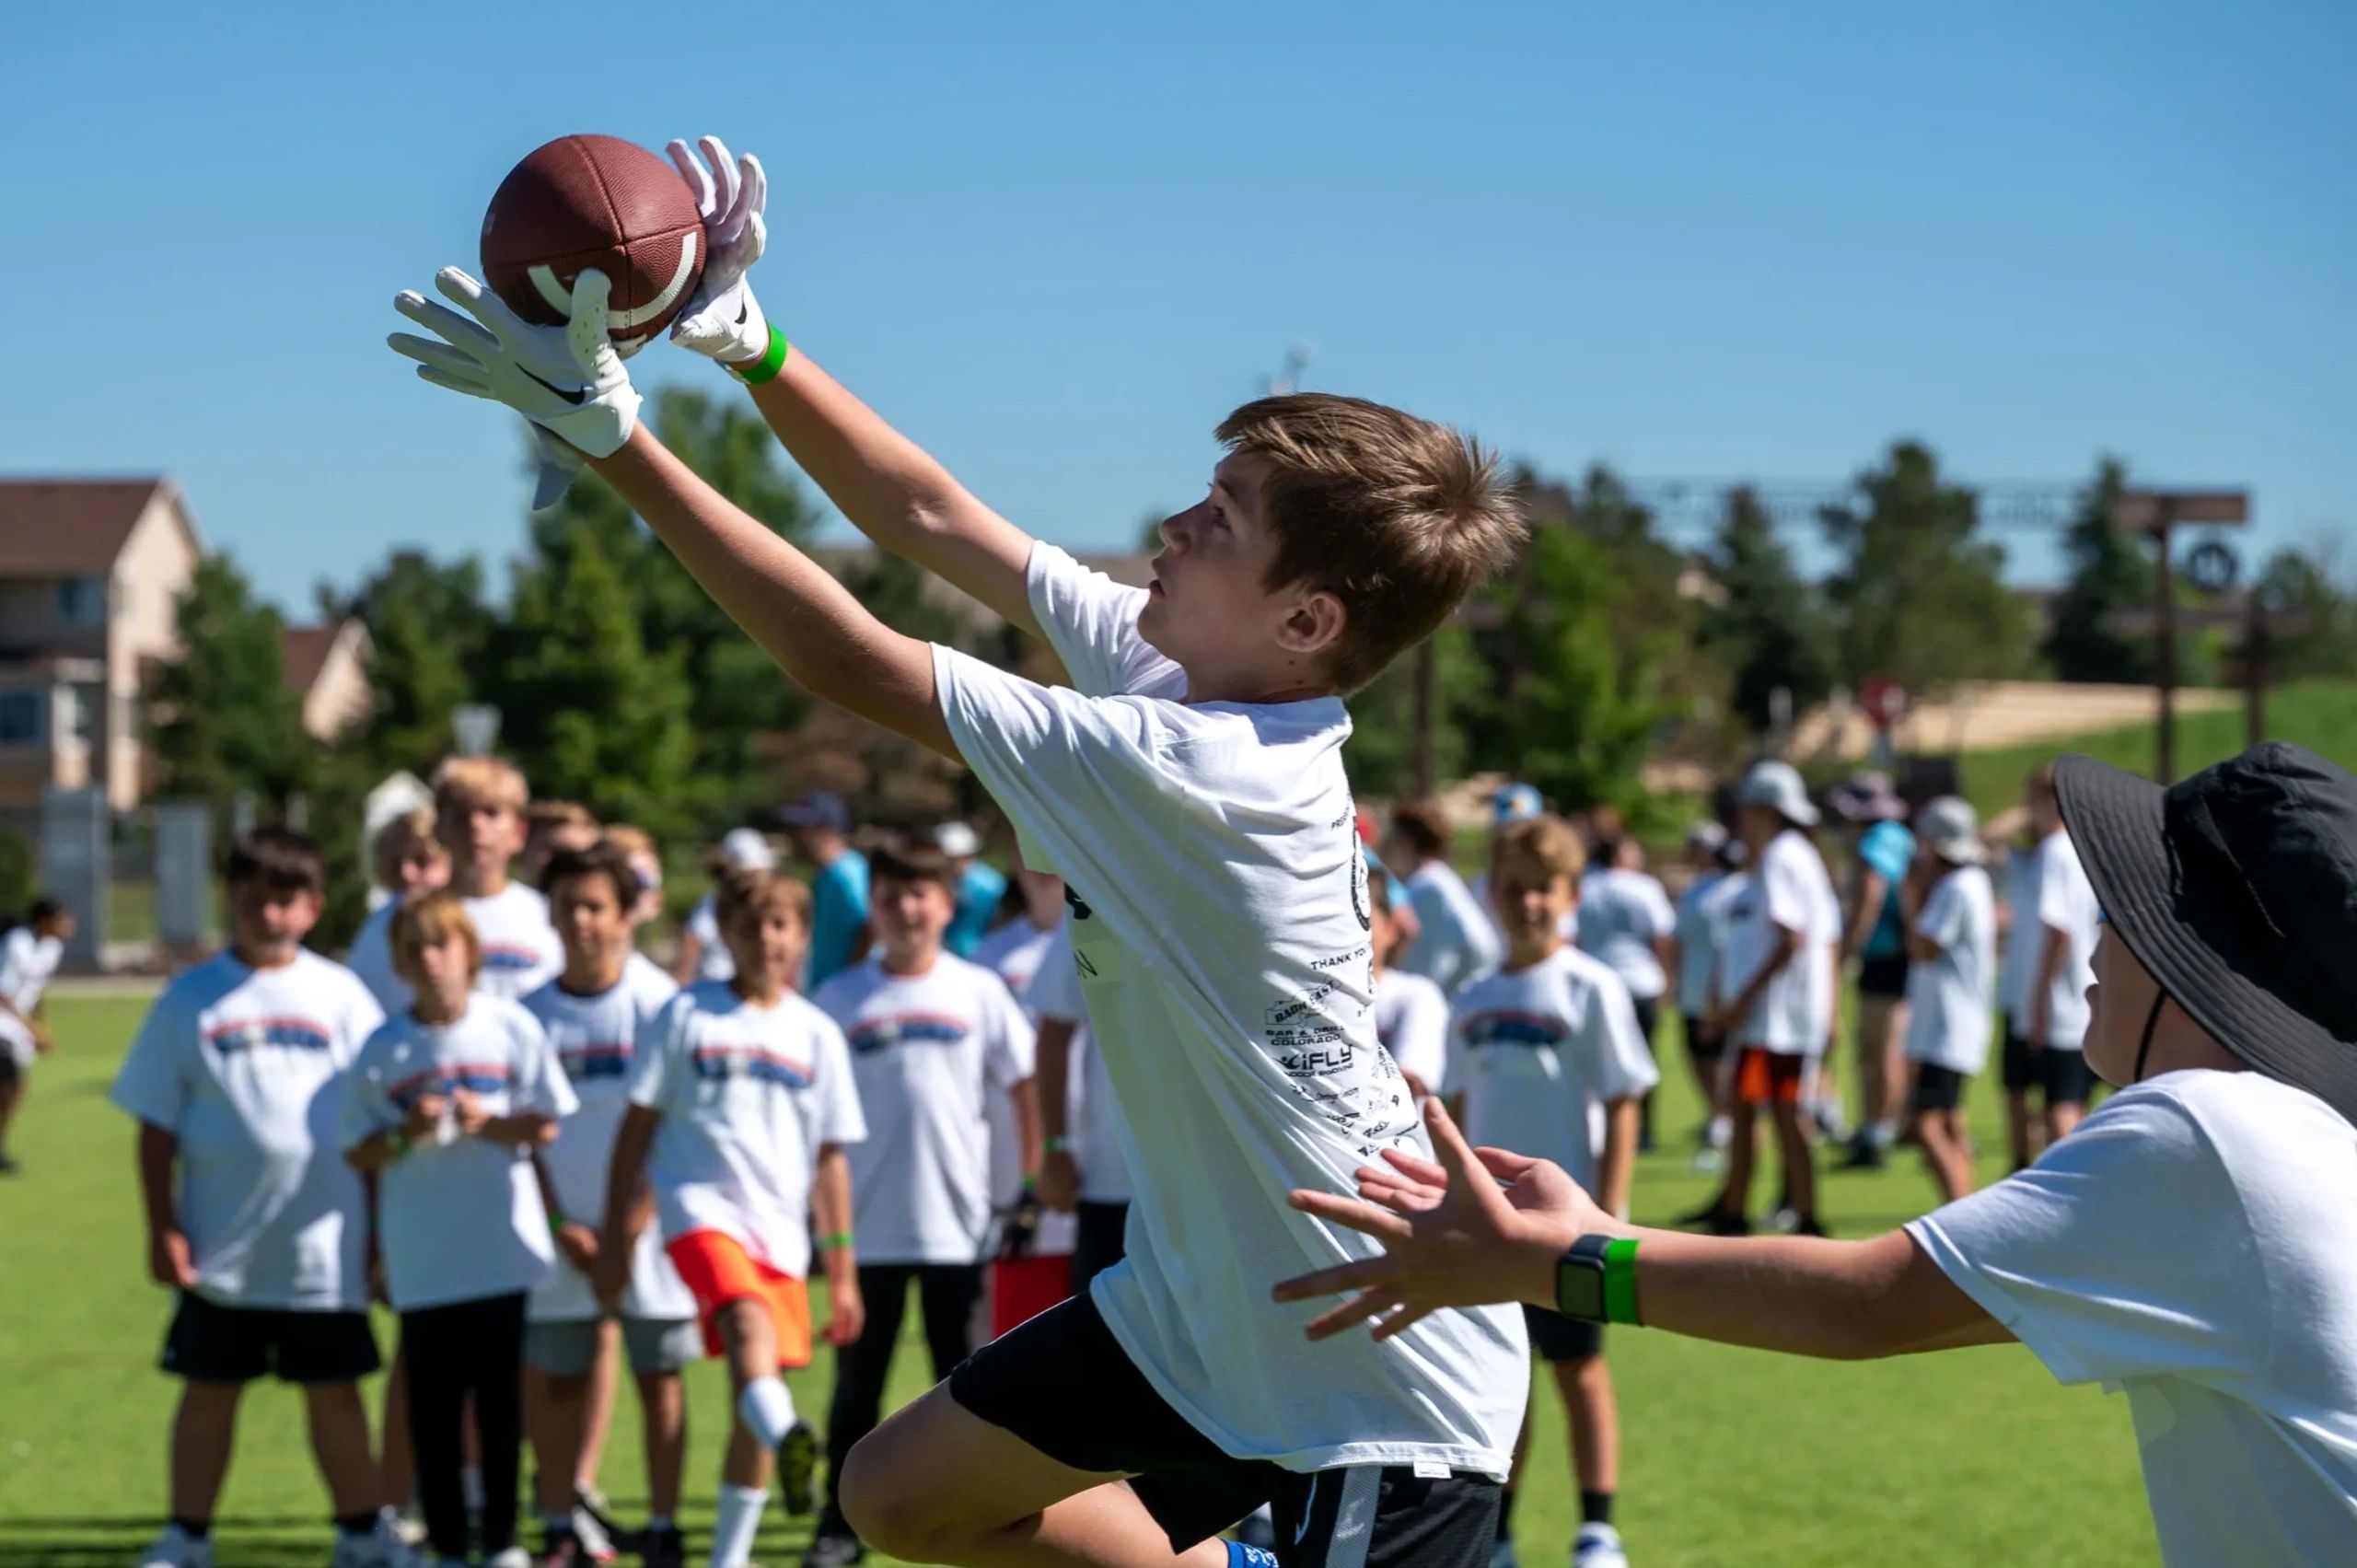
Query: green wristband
x,y
1056,1145
754,371
830,1243
1620,1280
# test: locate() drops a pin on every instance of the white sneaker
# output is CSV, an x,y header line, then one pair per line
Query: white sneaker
x,y
1597,1546
1709,1161
177,1549
514,1557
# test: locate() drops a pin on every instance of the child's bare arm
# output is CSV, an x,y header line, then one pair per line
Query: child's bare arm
x,y
822,637
894,491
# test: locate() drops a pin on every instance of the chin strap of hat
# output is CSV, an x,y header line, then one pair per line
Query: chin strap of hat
x,y
2152,1019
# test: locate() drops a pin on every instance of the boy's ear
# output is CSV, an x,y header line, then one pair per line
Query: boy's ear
x,y
1314,624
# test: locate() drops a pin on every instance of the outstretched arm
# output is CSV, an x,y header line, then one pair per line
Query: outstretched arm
x,y
1453,1237
884,482
894,491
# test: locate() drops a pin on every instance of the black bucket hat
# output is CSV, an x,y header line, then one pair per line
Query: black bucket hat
x,y
2237,888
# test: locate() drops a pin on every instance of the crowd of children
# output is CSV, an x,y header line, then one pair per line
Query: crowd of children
x,y
551,1157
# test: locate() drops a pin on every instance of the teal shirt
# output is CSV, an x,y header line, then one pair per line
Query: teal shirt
x,y
1888,849
979,892
838,913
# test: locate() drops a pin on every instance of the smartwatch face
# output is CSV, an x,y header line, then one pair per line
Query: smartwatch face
x,y
1579,1289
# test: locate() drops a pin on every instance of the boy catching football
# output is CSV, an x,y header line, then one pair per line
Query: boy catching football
x,y
1190,789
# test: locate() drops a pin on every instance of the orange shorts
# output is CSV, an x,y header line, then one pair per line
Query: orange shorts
x,y
716,1268
1762,1076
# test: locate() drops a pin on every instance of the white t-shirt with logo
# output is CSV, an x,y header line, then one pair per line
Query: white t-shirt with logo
x,y
1221,930
521,950
1411,1021
1456,939
749,1095
712,959
459,1218
1789,890
1702,932
27,962
1013,952
1949,996
246,1069
928,1051
596,1039
371,959
1092,1116
2193,1243
1621,913
2055,893
1537,1054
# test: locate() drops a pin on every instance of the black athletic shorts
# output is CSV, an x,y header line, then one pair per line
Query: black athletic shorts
x,y
10,1072
2062,1076
1061,1383
1648,1017
1936,1089
1554,1337
209,1343
1100,1237
1885,975
1702,1042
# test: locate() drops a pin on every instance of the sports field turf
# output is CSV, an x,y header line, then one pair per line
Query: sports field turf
x,y
1731,1457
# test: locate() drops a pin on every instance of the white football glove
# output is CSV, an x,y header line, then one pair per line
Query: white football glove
x,y
566,379
722,319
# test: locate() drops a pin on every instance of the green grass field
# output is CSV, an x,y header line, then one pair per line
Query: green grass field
x,y
1731,1457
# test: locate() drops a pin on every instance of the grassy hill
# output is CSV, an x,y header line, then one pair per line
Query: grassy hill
x,y
2319,714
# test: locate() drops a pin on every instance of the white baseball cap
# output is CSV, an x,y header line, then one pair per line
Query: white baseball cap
x,y
1778,785
745,849
1949,829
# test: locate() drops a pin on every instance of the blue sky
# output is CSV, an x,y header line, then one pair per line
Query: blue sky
x,y
1054,243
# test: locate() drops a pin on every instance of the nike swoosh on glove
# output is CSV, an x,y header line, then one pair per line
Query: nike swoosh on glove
x,y
722,319
566,379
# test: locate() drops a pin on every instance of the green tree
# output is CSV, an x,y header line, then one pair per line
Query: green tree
x,y
590,714
430,629
227,722
1587,699
1918,597
739,704
2319,621
1767,628
1382,751
2111,570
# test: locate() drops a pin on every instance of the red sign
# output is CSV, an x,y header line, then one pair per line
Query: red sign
x,y
1884,700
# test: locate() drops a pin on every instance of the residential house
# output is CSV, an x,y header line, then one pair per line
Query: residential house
x,y
90,573
328,668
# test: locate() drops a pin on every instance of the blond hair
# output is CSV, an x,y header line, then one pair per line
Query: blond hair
x,y
1533,853
426,919
408,828
1396,517
737,895
465,781
633,840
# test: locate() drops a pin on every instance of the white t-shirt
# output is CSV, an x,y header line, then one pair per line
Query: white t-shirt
x,y
2055,893
1092,1116
1538,1053
1221,930
596,1039
1948,996
1790,890
1013,952
1456,937
1701,932
1621,914
712,961
2193,1244
246,1069
749,1096
928,1051
371,959
1411,1021
521,950
459,1220
27,962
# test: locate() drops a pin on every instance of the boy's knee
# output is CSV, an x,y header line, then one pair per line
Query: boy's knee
x,y
882,1504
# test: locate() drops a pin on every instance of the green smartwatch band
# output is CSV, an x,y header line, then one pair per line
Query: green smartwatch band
x,y
1620,1280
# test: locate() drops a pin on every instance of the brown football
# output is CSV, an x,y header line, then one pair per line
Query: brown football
x,y
583,202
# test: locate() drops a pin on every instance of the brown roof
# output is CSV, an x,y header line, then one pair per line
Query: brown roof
x,y
69,525
304,650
